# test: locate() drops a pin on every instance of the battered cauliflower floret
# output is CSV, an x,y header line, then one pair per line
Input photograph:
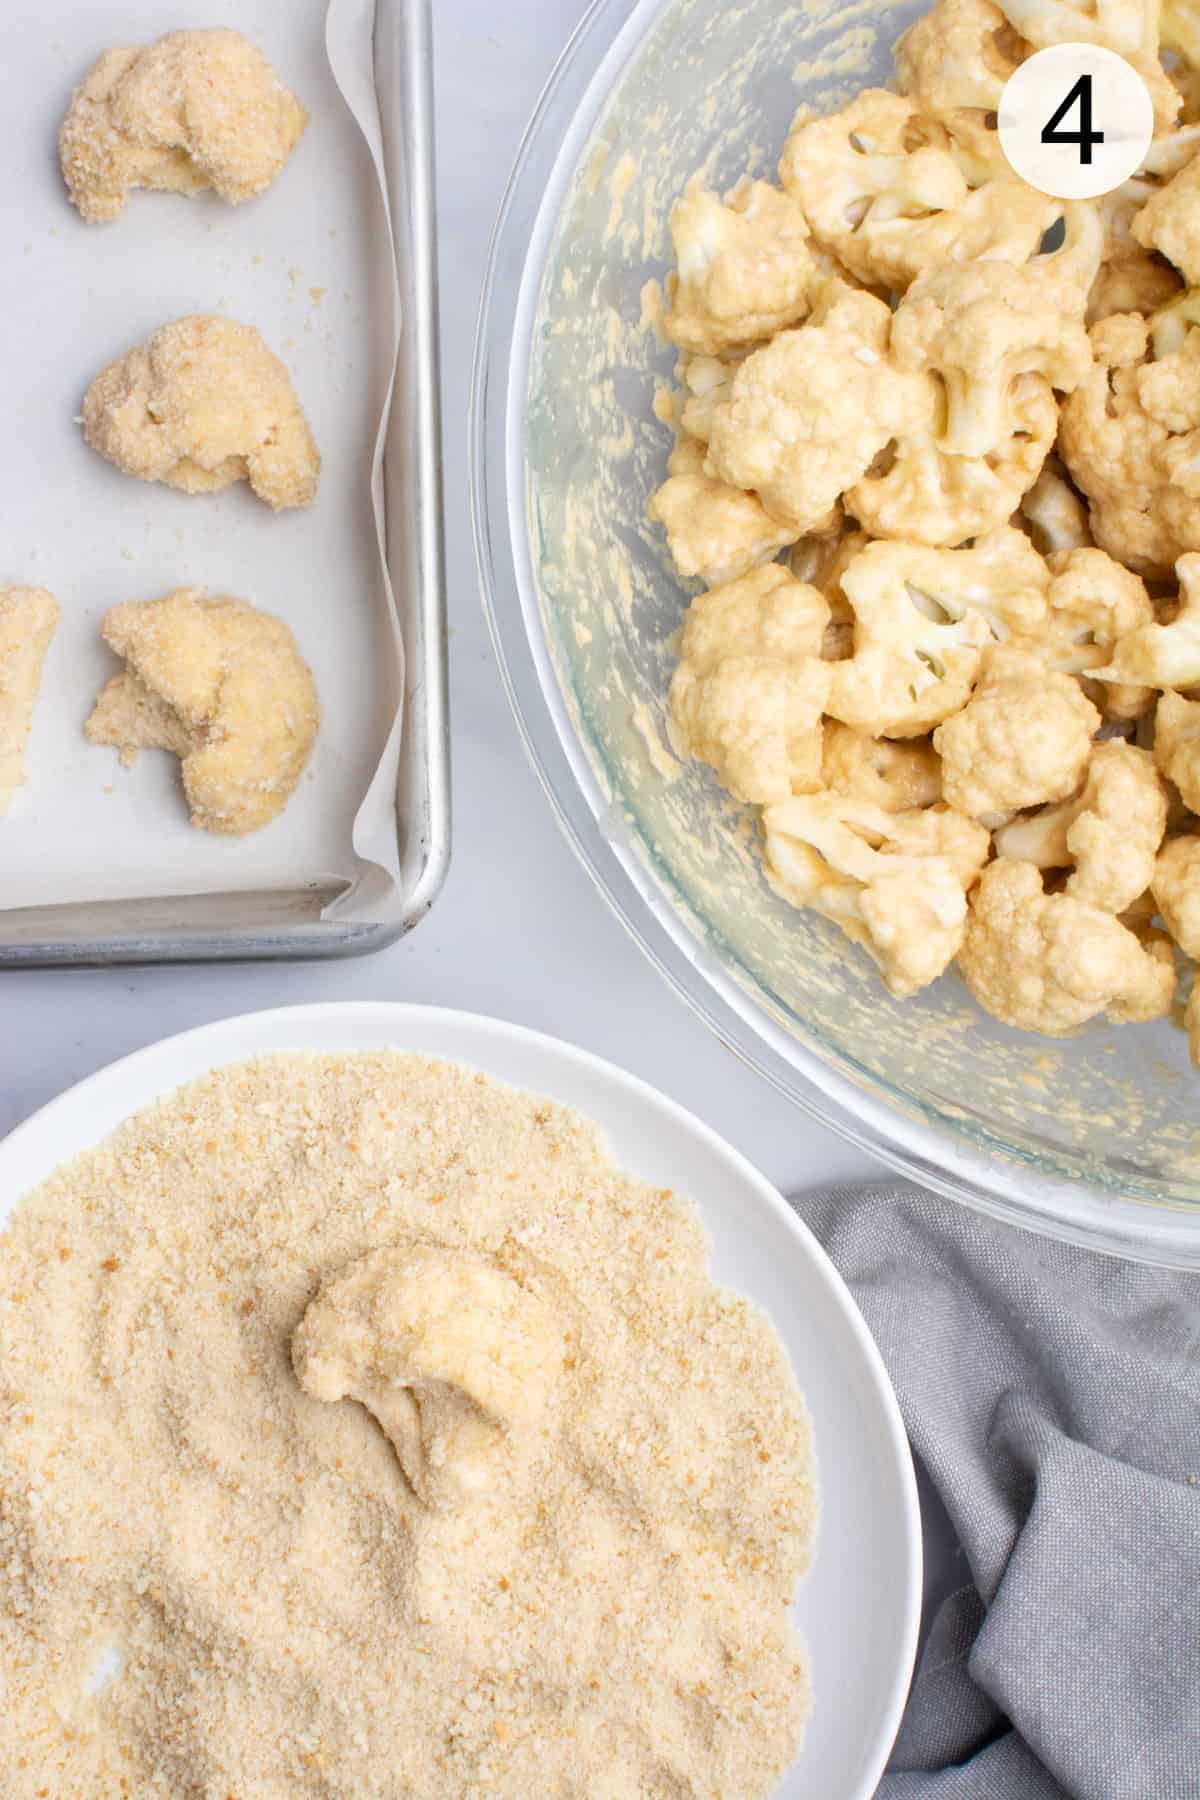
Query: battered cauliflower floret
x,y
455,1357
28,620
1108,834
1168,222
224,687
1177,745
896,777
750,688
807,413
954,62
980,327
1132,278
1124,26
1163,656
1130,436
919,492
1056,516
1093,602
894,882
1049,962
1023,738
745,271
1176,890
881,189
706,382
922,620
715,532
196,110
200,406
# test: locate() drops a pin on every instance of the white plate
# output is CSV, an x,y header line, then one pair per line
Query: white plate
x,y
859,1606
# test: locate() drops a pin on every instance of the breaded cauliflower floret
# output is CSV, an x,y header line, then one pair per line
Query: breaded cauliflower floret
x,y
919,492
746,270
1023,738
1049,962
715,532
224,687
200,406
1176,890
750,688
880,188
28,620
894,882
1108,834
1177,745
922,620
1163,656
896,777
1130,437
196,110
954,62
807,413
979,327
1092,603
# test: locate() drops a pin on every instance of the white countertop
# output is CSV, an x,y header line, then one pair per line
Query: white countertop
x,y
518,930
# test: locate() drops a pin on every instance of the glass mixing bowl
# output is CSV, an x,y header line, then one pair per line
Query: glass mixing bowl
x,y
1095,1138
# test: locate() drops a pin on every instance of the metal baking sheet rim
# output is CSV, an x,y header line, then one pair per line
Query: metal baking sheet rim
x,y
281,924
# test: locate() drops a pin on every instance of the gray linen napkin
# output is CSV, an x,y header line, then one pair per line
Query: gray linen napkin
x,y
1053,1397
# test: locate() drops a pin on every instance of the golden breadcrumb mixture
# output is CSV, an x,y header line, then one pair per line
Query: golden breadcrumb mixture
x,y
219,1583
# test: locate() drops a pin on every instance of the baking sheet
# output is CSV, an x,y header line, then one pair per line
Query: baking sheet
x,y
308,263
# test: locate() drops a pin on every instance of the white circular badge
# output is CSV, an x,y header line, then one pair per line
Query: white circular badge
x,y
1075,121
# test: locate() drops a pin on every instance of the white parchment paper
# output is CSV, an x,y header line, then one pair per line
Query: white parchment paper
x,y
309,263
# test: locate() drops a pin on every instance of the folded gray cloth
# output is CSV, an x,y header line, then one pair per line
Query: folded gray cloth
x,y
1053,1397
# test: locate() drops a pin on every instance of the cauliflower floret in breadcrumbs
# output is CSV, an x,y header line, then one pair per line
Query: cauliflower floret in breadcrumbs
x,y
1130,436
224,687
922,619
28,620
200,406
807,413
750,688
745,270
1177,745
715,532
881,189
196,110
481,1351
1049,962
1108,835
894,882
1023,738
